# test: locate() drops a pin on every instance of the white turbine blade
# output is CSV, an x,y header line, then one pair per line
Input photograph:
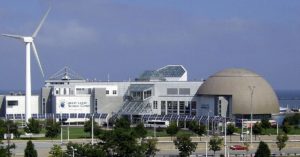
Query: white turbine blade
x,y
37,58
41,23
13,36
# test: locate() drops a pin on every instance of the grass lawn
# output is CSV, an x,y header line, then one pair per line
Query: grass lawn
x,y
163,133
75,133
273,131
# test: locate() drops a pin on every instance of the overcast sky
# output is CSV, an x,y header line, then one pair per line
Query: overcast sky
x,y
123,38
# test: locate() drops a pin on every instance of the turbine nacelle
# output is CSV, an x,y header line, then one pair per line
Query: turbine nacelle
x,y
28,39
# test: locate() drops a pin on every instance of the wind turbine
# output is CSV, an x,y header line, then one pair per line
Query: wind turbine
x,y
28,41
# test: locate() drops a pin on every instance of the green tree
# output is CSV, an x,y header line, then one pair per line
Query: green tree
x,y
12,127
192,125
215,144
265,124
56,151
230,130
150,147
263,150
257,129
140,131
122,123
172,129
52,128
292,120
286,128
281,139
30,150
33,126
200,130
88,127
86,149
185,145
5,151
121,142
8,127
2,128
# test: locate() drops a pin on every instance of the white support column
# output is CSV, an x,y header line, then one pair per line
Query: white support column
x,y
28,85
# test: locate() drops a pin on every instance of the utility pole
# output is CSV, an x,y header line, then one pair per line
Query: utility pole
x,y
61,131
8,138
251,105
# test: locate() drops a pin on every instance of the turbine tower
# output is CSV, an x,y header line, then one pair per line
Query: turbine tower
x,y
28,41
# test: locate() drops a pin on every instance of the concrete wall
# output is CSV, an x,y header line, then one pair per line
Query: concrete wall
x,y
106,104
2,107
46,97
20,107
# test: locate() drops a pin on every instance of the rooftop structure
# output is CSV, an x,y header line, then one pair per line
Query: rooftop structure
x,y
167,73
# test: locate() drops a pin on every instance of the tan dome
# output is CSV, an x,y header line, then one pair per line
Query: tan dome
x,y
237,83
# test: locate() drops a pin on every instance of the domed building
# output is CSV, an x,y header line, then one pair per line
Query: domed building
x,y
237,92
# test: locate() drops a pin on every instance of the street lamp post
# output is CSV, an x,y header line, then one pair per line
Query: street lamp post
x,y
208,122
73,151
69,130
277,128
206,148
61,131
92,129
225,141
251,105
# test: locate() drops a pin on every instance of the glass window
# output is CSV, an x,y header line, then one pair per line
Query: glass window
x,y
163,107
188,108
154,104
175,107
184,91
172,91
181,107
12,103
194,105
170,108
147,94
107,92
114,92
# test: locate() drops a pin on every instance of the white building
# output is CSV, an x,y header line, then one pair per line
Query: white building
x,y
163,91
15,104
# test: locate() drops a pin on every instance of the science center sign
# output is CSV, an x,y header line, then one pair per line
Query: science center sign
x,y
73,105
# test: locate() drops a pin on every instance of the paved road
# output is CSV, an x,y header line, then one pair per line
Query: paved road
x,y
165,145
291,151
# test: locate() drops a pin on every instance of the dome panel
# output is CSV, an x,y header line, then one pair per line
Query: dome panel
x,y
237,83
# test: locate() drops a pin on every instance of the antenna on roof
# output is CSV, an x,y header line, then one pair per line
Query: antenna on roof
x,y
108,77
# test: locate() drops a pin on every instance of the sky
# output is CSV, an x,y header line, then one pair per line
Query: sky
x,y
122,38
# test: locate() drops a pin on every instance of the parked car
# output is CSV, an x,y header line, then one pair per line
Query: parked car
x,y
238,147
